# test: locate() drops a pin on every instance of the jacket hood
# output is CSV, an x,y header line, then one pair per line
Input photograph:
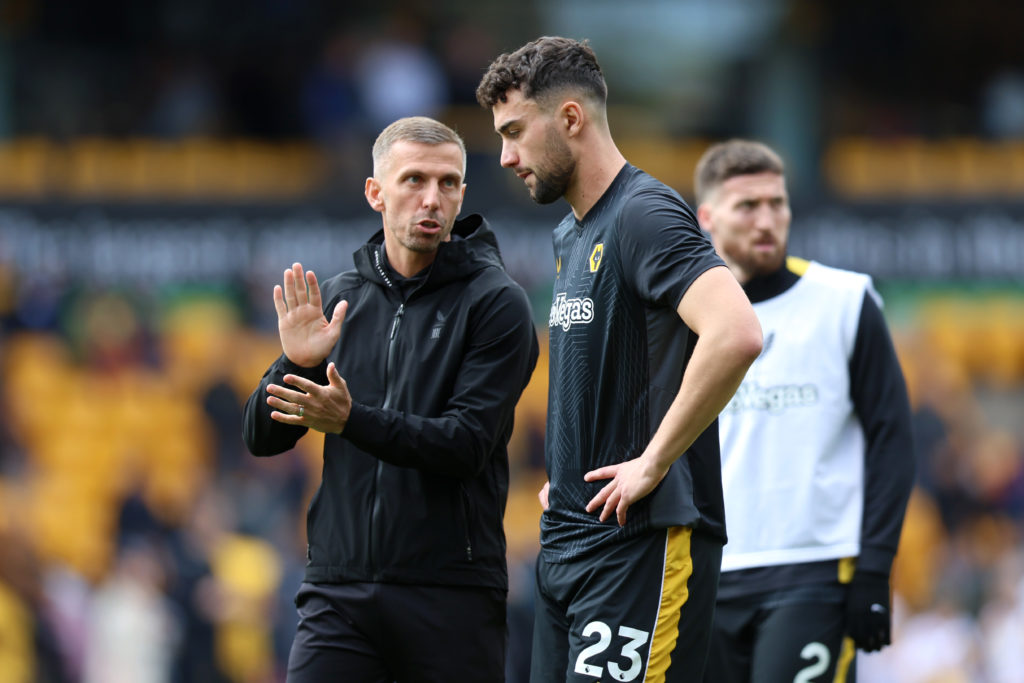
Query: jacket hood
x,y
473,246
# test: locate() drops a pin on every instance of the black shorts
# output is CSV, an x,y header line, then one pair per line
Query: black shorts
x,y
639,610
786,635
384,633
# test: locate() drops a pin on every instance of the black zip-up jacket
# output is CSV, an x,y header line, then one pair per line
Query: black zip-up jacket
x,y
415,486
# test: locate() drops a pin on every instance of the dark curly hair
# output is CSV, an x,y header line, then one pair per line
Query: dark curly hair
x,y
543,67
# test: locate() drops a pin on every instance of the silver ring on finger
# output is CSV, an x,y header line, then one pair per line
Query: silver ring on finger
x,y
301,410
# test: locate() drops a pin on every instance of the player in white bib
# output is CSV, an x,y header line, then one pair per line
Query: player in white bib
x,y
817,458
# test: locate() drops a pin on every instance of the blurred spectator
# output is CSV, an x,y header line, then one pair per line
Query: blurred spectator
x,y
522,527
1003,105
195,591
224,410
29,648
939,645
996,476
247,572
17,654
13,457
108,333
7,291
187,102
38,299
330,97
332,109
68,595
136,520
133,632
1002,622
398,76
467,51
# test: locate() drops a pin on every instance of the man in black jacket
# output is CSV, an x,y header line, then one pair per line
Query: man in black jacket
x,y
406,574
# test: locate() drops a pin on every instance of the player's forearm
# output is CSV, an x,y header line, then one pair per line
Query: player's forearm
x,y
716,369
729,339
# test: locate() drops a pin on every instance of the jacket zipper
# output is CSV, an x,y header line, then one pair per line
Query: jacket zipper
x,y
466,520
375,516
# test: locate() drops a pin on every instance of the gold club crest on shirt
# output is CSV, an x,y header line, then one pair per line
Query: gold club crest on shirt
x,y
595,257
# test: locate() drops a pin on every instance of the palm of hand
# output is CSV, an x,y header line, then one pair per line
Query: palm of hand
x,y
306,336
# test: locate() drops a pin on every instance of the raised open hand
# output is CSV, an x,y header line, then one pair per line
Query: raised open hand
x,y
306,334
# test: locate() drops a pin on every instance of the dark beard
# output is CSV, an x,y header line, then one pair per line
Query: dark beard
x,y
559,165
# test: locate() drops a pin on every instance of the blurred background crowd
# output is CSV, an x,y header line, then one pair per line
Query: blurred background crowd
x,y
161,163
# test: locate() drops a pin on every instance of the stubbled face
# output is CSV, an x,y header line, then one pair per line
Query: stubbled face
x,y
748,219
533,148
419,193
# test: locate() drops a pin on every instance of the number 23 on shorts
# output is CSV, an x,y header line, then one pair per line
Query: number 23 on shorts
x,y
627,651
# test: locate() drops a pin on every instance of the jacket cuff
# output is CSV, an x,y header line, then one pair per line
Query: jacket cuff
x,y
875,560
314,374
358,426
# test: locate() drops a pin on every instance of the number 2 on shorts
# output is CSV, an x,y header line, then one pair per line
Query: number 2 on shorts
x,y
818,652
635,640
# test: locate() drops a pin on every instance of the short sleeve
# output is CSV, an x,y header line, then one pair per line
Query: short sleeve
x,y
663,250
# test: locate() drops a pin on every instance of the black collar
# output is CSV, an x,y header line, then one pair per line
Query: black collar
x,y
405,285
764,287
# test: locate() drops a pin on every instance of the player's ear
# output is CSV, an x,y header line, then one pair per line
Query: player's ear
x,y
572,117
374,196
704,217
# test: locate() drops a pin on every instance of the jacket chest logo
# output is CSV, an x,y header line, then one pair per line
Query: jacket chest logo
x,y
438,327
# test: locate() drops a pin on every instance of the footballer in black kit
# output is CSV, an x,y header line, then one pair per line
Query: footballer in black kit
x,y
650,335
618,351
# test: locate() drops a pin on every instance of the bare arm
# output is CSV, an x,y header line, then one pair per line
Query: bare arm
x,y
729,339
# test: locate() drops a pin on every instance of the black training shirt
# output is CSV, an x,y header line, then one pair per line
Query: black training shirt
x,y
618,350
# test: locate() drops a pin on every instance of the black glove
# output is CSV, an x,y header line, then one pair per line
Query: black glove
x,y
868,618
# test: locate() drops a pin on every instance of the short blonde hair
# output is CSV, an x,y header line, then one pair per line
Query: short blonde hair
x,y
414,129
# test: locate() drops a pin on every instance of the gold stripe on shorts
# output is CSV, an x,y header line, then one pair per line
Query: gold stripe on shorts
x,y
674,593
846,653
